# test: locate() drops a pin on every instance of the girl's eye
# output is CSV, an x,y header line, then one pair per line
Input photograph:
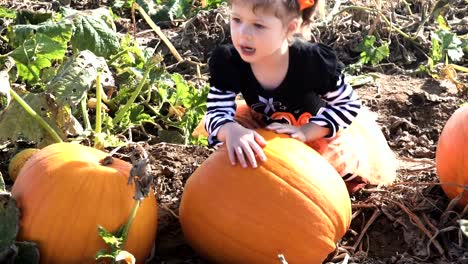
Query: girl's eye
x,y
259,26
235,20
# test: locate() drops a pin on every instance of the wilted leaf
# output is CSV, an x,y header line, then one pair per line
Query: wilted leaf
x,y
360,79
125,256
58,116
76,76
9,220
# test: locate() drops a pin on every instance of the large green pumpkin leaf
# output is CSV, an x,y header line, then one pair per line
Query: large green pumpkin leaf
x,y
75,77
58,116
95,31
37,46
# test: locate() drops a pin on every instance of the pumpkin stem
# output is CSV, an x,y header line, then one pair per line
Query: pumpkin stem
x,y
127,226
141,173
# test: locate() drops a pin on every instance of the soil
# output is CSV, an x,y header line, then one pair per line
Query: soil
x,y
409,221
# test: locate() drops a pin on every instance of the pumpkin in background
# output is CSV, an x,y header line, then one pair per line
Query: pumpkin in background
x,y
18,161
293,204
452,155
65,191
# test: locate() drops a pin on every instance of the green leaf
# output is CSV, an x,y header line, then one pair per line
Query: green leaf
x,y
448,44
370,54
109,238
76,76
7,13
137,115
56,31
95,31
58,116
26,16
28,252
9,221
38,46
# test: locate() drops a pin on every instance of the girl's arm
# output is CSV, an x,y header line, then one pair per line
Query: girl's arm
x,y
342,107
221,108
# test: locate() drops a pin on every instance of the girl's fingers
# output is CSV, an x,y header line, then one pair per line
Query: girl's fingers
x,y
241,157
258,150
249,153
232,155
299,136
260,139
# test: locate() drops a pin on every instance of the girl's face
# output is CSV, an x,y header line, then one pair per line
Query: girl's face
x,y
258,35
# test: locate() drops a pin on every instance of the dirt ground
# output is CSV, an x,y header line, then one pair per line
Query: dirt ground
x,y
409,221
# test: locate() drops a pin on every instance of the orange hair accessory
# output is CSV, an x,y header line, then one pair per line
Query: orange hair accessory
x,y
303,4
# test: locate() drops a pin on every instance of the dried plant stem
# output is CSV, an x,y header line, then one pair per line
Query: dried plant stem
x,y
98,103
158,31
370,10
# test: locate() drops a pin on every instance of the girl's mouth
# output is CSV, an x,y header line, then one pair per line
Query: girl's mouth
x,y
247,51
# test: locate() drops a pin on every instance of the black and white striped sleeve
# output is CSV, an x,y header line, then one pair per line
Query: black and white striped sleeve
x,y
221,108
342,106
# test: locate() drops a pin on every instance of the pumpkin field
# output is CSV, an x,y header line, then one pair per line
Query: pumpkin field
x,y
99,162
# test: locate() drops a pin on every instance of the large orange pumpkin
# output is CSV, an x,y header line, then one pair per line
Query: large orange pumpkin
x,y
65,191
452,155
293,204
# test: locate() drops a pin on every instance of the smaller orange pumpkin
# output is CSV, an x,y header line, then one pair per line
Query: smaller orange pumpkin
x,y
66,190
18,161
452,155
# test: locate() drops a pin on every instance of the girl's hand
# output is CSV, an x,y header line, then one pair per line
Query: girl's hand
x,y
243,144
305,133
293,131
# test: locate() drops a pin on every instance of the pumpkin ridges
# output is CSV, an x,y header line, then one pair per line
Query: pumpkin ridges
x,y
81,183
251,237
197,209
326,169
314,188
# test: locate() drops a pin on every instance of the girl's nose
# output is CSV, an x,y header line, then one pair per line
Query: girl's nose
x,y
246,32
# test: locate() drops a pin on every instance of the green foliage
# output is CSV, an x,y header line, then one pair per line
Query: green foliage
x,y
370,54
214,3
95,31
114,241
7,13
446,45
38,46
187,104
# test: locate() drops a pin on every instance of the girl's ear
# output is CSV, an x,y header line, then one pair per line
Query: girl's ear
x,y
293,26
